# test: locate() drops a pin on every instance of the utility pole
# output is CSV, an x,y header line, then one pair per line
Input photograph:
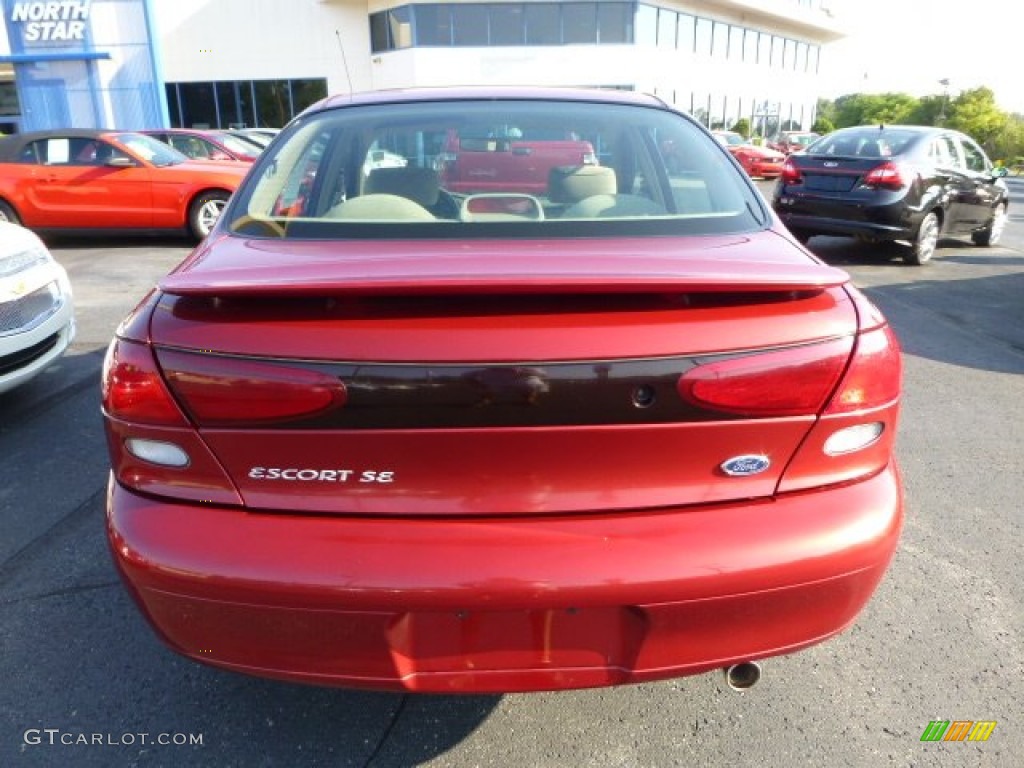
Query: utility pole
x,y
944,82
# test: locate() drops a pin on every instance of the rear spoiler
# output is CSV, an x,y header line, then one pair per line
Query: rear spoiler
x,y
725,265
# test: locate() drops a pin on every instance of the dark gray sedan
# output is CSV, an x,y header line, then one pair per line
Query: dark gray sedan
x,y
899,182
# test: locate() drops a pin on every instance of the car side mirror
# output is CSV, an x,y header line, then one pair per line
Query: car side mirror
x,y
999,171
120,162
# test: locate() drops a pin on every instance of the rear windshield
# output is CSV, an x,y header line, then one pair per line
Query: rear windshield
x,y
866,142
476,168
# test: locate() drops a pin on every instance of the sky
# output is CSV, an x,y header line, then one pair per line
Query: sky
x,y
910,45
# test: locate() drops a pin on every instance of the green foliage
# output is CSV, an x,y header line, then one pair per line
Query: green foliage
x,y
823,125
742,127
973,112
873,109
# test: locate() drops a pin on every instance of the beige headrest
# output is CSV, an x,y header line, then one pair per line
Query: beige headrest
x,y
572,183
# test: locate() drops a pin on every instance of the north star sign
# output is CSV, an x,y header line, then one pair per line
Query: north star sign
x,y
51,21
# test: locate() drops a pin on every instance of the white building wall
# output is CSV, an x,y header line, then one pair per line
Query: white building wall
x,y
203,40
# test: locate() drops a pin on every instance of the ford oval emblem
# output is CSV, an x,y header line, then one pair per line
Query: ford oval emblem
x,y
743,466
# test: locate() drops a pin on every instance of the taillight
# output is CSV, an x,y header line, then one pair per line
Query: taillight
x,y
888,175
791,174
855,435
220,391
875,374
133,389
794,381
153,448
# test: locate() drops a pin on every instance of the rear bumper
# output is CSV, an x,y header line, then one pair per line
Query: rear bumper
x,y
492,605
819,225
889,218
763,169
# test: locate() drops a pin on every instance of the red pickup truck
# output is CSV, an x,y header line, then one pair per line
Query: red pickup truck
x,y
508,160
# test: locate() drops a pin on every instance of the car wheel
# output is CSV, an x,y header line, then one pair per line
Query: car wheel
x,y
925,241
204,212
7,214
991,234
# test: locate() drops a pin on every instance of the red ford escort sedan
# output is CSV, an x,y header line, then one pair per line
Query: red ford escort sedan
x,y
378,433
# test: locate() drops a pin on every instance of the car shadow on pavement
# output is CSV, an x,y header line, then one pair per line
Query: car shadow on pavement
x,y
118,239
974,323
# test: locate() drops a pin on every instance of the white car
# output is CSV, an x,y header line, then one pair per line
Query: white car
x,y
37,318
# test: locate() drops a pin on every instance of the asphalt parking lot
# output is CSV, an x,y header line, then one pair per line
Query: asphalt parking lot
x,y
85,683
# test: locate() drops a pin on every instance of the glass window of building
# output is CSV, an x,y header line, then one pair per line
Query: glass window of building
x,y
736,43
764,49
778,47
273,102
242,103
702,44
720,40
508,24
469,25
543,24
801,57
685,33
198,105
579,23
433,25
234,108
379,32
646,25
667,28
750,46
306,93
615,23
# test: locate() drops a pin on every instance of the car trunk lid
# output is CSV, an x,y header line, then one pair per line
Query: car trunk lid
x,y
467,380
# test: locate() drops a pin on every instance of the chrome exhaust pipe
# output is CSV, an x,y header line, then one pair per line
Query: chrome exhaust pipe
x,y
742,676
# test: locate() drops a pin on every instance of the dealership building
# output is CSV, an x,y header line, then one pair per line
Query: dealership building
x,y
231,63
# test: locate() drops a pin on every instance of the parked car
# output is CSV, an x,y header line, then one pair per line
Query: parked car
x,y
378,433
107,180
495,157
261,136
37,315
758,162
209,145
789,142
898,182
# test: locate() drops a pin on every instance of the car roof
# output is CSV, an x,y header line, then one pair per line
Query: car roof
x,y
490,93
883,127
11,146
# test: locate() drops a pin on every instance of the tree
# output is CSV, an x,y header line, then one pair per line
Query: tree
x,y
873,108
975,113
823,125
929,110
742,127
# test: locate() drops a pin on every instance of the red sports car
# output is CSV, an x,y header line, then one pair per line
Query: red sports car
x,y
758,162
376,433
89,180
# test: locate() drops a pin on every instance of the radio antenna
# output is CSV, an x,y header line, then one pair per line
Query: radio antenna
x,y
344,60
